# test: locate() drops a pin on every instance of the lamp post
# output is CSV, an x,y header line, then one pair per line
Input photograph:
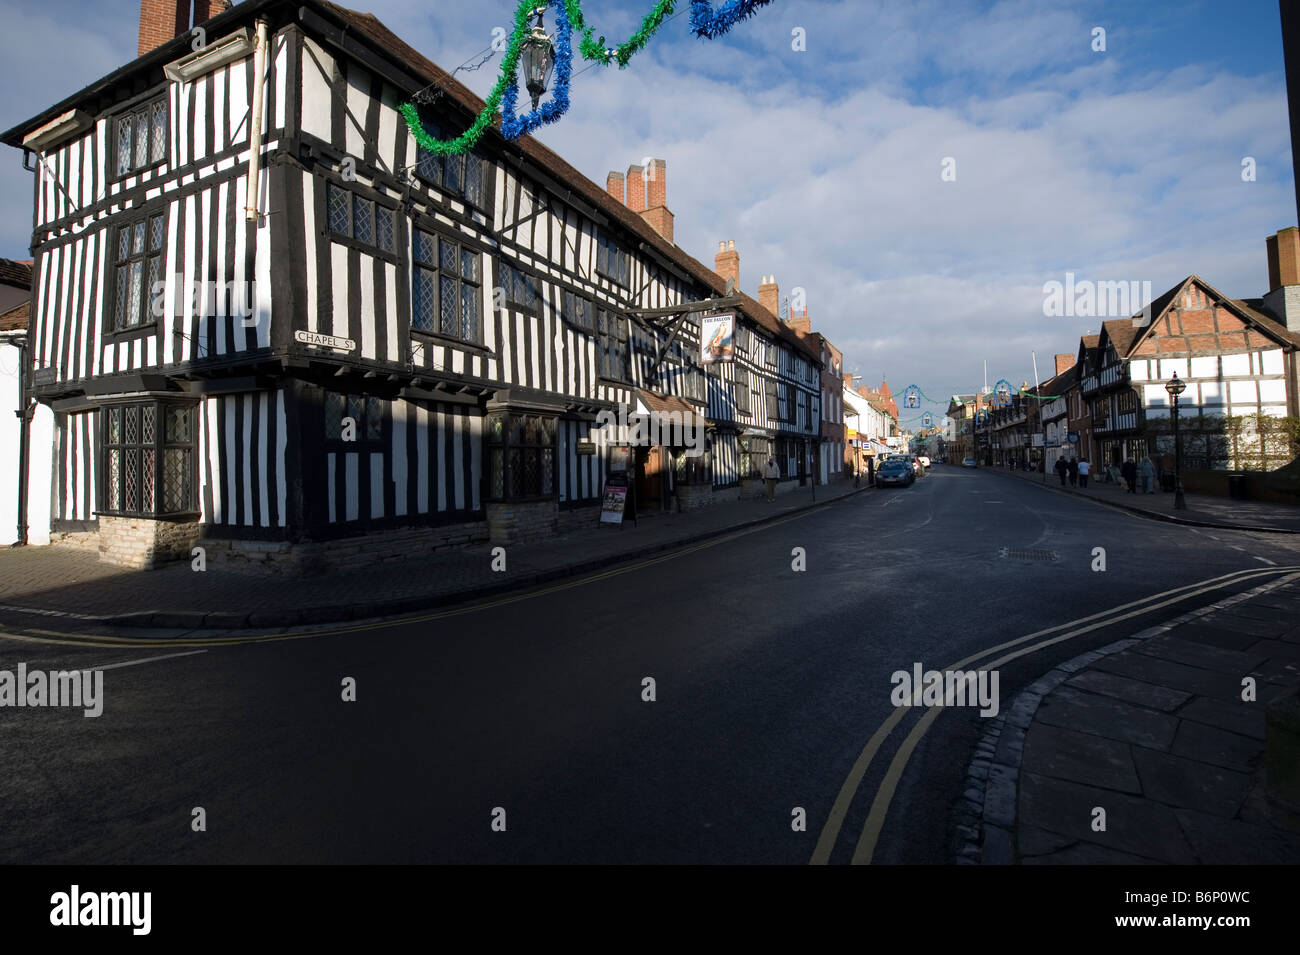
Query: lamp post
x,y
538,56
1176,387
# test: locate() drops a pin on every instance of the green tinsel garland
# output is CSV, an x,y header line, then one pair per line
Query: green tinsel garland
x,y
598,52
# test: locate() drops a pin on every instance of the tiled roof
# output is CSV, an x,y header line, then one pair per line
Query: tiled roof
x,y
557,168
17,274
16,319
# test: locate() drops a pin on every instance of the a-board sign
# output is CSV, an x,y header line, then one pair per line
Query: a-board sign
x,y
585,447
613,504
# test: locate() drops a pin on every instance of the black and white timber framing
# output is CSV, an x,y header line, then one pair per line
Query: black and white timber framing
x,y
251,410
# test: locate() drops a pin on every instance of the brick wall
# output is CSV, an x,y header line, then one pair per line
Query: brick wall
x,y
512,521
366,550
142,544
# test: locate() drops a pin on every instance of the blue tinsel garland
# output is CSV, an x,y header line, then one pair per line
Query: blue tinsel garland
x,y
512,126
710,23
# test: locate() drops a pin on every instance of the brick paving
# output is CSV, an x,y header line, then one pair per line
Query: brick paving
x,y
1154,731
1202,509
74,585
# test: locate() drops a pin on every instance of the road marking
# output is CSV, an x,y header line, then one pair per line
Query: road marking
x,y
840,807
871,829
136,663
1267,561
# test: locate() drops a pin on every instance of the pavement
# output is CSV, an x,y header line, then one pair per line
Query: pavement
x,y
71,584
1148,750
1203,510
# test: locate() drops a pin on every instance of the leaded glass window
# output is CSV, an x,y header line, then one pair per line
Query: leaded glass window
x,y
149,471
447,284
141,137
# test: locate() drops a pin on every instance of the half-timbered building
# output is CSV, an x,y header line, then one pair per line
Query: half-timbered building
x,y
264,318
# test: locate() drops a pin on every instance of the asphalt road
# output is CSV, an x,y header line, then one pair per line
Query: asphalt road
x,y
769,683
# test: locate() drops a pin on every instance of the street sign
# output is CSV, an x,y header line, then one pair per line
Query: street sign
x,y
585,447
1073,437
324,341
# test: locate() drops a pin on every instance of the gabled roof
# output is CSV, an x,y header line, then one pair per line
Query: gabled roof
x,y
1126,336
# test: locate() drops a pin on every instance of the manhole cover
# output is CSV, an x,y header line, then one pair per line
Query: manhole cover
x,y
1027,553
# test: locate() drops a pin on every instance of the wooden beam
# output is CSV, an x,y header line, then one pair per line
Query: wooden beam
x,y
733,301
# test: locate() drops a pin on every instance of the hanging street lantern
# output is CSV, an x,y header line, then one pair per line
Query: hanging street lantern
x,y
537,53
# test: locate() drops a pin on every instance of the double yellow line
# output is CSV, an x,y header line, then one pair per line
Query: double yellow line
x,y
870,835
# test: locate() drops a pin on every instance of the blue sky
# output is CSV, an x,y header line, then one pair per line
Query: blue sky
x,y
824,164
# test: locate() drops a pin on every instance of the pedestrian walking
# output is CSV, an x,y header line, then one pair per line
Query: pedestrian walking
x,y
771,474
1128,470
1073,467
1084,469
1062,469
1148,476
857,478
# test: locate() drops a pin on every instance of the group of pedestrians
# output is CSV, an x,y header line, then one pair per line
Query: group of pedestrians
x,y
1074,471
1131,471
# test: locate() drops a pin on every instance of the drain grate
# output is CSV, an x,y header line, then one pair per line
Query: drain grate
x,y
1028,553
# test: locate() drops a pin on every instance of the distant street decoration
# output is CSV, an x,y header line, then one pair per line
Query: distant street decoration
x,y
981,418
706,22
927,420
911,397
1029,394
1002,394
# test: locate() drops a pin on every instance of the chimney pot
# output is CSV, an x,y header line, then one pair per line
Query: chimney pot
x,y
727,262
769,295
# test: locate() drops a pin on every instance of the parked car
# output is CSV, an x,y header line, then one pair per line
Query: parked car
x,y
896,470
968,463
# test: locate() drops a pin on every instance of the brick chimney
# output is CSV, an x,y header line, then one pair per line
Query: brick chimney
x,y
727,262
160,21
769,294
656,212
636,188
801,323
1283,298
614,185
1064,363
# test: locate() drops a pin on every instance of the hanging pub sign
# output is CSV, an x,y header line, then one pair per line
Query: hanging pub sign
x,y
717,339
1002,394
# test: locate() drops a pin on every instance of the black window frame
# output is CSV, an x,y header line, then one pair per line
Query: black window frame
x,y
620,271
613,342
440,275
512,279
569,311
742,398
154,156
150,258
772,399
357,203
431,169
513,438
367,411
115,442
